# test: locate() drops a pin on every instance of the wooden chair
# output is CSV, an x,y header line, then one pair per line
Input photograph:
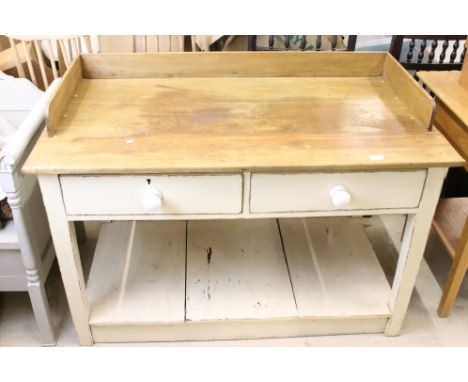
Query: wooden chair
x,y
45,52
277,42
451,217
431,52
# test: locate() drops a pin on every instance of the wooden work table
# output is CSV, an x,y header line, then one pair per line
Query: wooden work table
x,y
236,185
451,118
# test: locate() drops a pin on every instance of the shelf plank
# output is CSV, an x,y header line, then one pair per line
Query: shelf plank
x,y
154,289
449,220
8,236
334,270
237,270
238,282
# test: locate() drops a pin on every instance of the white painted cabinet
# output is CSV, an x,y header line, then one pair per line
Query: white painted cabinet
x,y
240,256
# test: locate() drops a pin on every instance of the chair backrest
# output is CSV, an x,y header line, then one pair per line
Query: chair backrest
x,y
303,42
46,52
429,52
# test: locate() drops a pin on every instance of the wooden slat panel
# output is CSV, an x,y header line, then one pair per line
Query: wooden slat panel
x,y
334,270
51,57
406,88
165,43
449,220
27,54
41,63
152,43
233,64
154,288
87,41
63,94
237,270
18,58
232,329
65,52
116,44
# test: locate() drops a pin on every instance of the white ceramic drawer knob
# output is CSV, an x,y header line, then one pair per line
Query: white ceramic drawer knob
x,y
340,196
152,200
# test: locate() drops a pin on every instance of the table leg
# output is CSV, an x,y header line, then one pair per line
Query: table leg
x,y
68,257
456,275
412,249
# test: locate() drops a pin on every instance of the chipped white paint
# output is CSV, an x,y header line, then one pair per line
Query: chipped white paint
x,y
236,270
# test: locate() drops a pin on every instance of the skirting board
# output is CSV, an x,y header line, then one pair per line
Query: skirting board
x,y
242,329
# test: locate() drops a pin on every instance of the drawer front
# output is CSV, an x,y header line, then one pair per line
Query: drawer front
x,y
125,194
302,192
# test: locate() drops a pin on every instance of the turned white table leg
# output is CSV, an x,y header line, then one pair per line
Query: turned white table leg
x,y
32,265
66,248
415,237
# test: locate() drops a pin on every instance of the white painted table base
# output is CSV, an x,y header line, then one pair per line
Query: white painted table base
x,y
412,249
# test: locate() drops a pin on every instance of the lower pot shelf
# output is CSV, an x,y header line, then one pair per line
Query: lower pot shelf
x,y
220,279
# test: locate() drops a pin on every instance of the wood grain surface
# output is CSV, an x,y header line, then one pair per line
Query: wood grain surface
x,y
448,89
62,95
449,220
232,64
236,269
415,97
322,254
453,128
160,125
139,278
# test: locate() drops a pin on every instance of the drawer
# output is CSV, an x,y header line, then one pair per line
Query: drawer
x,y
140,194
302,192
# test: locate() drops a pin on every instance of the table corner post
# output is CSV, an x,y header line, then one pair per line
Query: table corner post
x,y
68,257
413,245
